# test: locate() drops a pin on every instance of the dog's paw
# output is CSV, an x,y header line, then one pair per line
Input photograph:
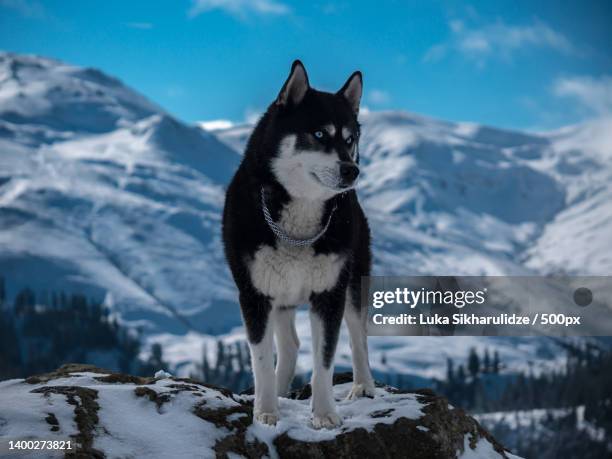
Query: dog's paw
x,y
361,390
326,421
269,419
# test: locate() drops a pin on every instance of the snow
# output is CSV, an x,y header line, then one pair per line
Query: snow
x,y
580,158
104,193
356,414
128,426
161,374
132,426
483,450
50,93
123,208
141,430
529,419
23,417
423,357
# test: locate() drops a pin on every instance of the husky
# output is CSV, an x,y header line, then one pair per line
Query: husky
x,y
294,233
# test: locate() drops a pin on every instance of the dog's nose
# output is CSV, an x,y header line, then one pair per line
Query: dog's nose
x,y
348,172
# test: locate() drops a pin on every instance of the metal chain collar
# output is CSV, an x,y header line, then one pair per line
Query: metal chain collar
x,y
282,235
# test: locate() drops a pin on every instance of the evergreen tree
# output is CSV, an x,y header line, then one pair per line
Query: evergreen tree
x,y
40,339
24,301
205,364
450,370
461,374
487,362
496,362
473,363
156,359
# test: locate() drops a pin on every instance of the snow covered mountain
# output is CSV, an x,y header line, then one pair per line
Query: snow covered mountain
x,y
463,199
105,193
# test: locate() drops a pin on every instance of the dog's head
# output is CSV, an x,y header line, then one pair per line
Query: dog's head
x,y
317,136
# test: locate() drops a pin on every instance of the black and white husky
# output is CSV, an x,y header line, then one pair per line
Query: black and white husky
x,y
294,233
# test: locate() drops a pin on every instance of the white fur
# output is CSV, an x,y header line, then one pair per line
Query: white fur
x,y
331,129
289,274
262,360
301,218
294,170
346,132
287,346
356,321
323,407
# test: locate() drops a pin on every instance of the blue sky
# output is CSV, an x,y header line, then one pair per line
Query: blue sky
x,y
527,65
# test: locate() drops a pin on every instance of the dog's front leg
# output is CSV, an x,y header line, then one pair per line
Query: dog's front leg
x,y
260,333
287,347
325,319
355,317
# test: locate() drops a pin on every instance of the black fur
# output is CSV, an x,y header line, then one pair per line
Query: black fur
x,y
245,230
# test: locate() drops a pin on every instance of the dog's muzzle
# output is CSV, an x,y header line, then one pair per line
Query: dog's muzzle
x,y
348,173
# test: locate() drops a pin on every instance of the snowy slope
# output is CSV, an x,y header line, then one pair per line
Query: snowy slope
x,y
541,428
459,198
45,92
103,192
448,198
421,359
578,240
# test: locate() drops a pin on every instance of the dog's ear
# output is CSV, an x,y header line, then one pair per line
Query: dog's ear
x,y
295,87
352,90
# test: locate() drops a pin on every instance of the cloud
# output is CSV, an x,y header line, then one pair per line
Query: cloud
x,y
139,25
498,40
594,94
27,8
364,110
213,125
239,8
252,115
378,97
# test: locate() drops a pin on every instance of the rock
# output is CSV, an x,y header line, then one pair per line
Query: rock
x,y
110,414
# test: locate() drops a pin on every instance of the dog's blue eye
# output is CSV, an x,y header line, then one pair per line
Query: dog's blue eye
x,y
349,140
318,134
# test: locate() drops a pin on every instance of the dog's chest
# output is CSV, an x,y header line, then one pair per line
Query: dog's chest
x,y
290,274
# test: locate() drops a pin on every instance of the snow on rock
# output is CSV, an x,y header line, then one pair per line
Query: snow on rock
x,y
161,374
483,449
117,415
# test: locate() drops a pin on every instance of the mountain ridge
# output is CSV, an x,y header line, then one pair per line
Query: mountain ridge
x,y
128,208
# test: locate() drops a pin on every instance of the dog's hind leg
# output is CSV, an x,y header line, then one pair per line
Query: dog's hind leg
x,y
287,346
356,317
260,333
325,321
